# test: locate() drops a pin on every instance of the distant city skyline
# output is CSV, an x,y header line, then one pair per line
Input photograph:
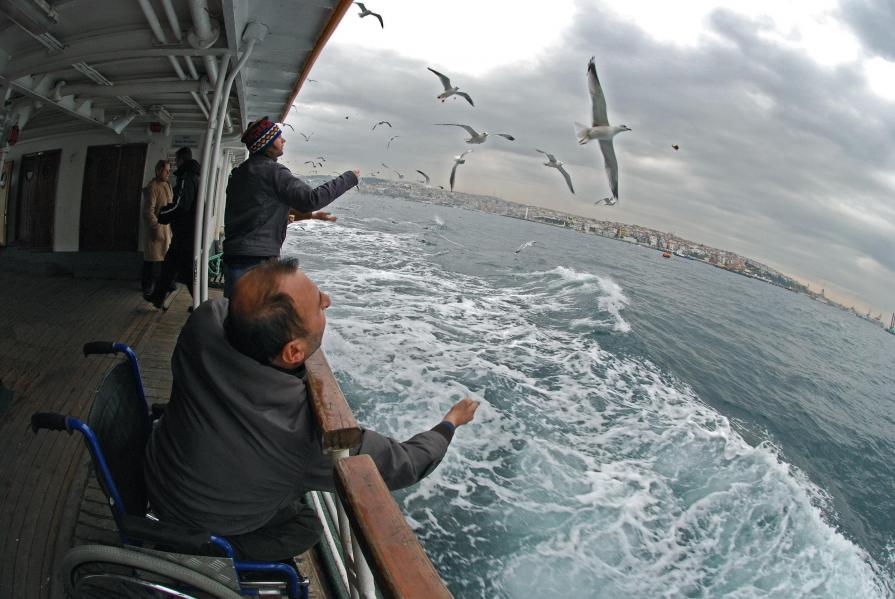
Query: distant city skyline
x,y
782,112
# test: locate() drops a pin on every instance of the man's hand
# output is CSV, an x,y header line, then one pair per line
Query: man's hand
x,y
356,173
320,215
462,412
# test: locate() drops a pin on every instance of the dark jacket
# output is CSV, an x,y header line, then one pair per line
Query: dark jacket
x,y
181,212
238,440
259,195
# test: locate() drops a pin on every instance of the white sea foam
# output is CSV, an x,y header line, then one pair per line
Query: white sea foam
x,y
585,474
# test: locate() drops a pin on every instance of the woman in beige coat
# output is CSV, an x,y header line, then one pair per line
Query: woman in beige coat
x,y
158,236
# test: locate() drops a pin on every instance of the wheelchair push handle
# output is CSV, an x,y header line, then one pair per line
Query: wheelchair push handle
x,y
99,347
50,421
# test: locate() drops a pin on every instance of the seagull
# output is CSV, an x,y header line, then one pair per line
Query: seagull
x,y
390,140
380,123
477,138
321,158
524,245
554,163
400,176
307,137
288,125
450,90
606,202
424,174
675,146
458,160
366,13
601,130
312,81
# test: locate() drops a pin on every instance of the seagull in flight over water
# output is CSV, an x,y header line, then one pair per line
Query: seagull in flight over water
x,y
400,176
458,160
524,245
477,138
366,13
307,137
380,123
449,90
390,140
554,163
423,174
601,130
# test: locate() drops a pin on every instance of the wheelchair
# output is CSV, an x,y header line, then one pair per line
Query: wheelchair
x,y
155,559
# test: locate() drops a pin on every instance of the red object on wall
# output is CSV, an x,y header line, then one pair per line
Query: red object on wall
x,y
13,135
155,127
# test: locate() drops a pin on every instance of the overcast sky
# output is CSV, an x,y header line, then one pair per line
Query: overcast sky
x,y
784,113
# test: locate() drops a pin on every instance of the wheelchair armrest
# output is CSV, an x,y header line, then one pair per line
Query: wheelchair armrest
x,y
179,538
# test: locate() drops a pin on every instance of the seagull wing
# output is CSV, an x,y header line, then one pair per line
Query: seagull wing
x,y
549,156
567,178
597,99
385,165
453,174
361,6
465,95
288,125
507,136
378,16
611,165
469,129
444,80
424,174
464,154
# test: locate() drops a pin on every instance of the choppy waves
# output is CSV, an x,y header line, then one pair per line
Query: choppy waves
x,y
586,473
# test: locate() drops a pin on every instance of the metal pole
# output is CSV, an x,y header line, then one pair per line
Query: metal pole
x,y
328,535
203,177
206,185
362,578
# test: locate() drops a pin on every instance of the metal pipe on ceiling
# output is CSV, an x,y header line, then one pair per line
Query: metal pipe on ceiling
x,y
156,26
202,36
135,88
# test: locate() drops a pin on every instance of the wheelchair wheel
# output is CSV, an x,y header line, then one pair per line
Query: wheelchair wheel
x,y
102,571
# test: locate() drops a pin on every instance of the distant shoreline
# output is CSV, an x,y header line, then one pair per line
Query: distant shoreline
x,y
635,234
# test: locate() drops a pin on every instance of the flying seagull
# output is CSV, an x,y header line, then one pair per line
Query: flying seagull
x,y
380,123
524,245
675,146
390,140
554,163
458,160
400,176
477,138
423,174
288,125
321,158
366,13
601,129
449,90
307,137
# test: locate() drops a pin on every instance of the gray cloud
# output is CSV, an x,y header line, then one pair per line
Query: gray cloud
x,y
781,158
872,22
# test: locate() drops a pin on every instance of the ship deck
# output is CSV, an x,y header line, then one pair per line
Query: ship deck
x,y
48,503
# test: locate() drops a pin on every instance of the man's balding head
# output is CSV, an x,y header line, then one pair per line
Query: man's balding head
x,y
276,314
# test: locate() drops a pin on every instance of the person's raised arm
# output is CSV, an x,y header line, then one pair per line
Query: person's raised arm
x,y
304,198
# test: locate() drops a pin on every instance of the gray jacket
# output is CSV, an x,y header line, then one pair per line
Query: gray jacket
x,y
238,440
259,195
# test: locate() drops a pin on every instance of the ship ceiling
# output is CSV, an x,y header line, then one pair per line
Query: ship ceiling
x,y
73,65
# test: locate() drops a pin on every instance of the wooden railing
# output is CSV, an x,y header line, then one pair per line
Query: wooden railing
x,y
377,542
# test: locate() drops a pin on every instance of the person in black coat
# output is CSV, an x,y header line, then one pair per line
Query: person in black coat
x,y
181,215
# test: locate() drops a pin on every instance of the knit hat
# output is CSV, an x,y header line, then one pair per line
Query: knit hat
x,y
260,134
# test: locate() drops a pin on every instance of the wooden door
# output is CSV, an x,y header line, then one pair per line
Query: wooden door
x,y
110,202
5,184
37,199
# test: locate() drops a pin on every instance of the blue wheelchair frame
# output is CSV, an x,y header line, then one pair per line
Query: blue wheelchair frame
x,y
298,589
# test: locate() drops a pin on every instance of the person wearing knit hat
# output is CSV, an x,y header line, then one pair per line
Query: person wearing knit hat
x,y
260,195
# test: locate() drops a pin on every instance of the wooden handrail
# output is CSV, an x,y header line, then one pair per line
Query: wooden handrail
x,y
334,417
400,565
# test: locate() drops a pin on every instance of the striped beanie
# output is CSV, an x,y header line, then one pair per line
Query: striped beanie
x,y
260,134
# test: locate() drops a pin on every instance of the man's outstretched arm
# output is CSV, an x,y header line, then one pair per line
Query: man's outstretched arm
x,y
401,464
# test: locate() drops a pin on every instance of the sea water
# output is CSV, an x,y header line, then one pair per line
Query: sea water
x,y
649,427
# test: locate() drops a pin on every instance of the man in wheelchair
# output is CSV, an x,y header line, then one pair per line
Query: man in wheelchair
x,y
238,445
